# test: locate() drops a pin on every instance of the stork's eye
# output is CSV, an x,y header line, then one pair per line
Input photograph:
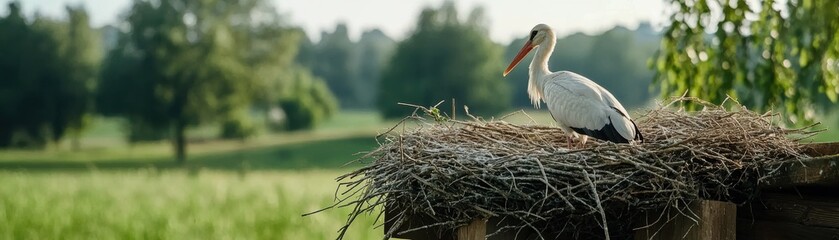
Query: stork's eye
x,y
532,35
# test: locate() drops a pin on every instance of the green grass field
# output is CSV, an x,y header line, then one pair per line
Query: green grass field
x,y
256,189
151,204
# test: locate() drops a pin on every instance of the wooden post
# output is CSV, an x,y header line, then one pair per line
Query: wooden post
x,y
476,230
716,220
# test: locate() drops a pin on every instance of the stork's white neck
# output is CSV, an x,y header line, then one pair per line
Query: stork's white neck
x,y
539,69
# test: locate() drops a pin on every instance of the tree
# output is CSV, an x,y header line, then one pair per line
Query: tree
x,y
15,35
334,63
187,62
306,54
124,89
306,100
80,58
284,83
49,68
352,70
445,58
374,49
778,55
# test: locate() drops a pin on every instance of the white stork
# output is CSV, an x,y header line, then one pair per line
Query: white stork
x,y
577,104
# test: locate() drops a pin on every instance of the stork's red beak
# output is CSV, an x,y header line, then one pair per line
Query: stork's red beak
x,y
523,52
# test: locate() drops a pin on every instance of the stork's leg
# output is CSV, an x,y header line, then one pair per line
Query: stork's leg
x,y
583,139
568,137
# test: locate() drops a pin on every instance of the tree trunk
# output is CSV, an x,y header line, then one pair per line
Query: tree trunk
x,y
76,142
180,142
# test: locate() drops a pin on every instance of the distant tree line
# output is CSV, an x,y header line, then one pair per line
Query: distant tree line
x,y
351,69
446,58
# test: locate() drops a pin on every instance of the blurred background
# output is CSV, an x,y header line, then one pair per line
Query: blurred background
x,y
182,119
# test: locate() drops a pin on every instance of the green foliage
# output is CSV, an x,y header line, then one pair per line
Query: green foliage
x,y
186,63
239,126
49,68
776,55
270,53
307,101
615,59
445,58
125,89
81,58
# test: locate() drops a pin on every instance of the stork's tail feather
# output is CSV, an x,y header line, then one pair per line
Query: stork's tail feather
x,y
638,136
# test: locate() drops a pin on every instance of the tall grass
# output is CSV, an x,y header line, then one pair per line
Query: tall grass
x,y
148,204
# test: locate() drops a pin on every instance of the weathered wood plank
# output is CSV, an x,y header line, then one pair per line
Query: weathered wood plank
x,y
806,210
415,221
771,230
822,149
714,220
790,215
819,171
476,230
490,225
822,170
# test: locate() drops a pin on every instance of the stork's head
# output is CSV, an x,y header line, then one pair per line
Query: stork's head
x,y
538,35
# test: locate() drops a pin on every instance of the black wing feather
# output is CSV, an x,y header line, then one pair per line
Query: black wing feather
x,y
638,135
606,133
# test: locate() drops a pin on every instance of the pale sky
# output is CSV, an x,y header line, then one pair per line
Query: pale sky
x,y
509,19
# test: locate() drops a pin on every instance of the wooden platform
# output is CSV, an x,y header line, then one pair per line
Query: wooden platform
x,y
800,202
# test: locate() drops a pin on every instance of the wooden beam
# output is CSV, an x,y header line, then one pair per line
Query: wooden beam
x,y
413,222
790,207
822,149
819,171
712,220
789,216
476,230
491,225
772,230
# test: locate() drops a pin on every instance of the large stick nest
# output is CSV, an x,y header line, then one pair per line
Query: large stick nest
x,y
458,171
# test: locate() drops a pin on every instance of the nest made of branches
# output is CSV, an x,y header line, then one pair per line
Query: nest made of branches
x,y
458,171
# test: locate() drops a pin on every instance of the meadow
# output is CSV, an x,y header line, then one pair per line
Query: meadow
x,y
153,204
256,189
